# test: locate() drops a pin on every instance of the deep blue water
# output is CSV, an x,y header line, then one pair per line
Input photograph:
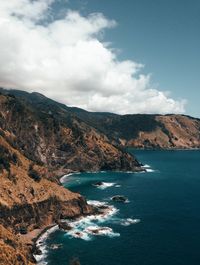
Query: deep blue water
x,y
167,201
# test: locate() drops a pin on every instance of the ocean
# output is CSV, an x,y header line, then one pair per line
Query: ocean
x,y
158,225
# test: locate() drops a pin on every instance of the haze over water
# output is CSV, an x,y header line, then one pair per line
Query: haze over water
x,y
166,200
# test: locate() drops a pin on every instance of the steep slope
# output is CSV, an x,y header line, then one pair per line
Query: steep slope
x,y
40,140
146,131
137,130
46,132
28,202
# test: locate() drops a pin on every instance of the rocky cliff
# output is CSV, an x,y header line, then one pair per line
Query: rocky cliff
x,y
29,202
146,131
46,132
40,140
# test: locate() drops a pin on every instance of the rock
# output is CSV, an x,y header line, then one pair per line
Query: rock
x,y
119,198
64,226
55,246
36,250
98,184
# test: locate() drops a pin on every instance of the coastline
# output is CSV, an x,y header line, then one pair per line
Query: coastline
x,y
39,235
163,149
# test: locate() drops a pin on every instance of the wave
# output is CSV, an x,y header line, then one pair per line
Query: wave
x,y
129,221
150,170
41,244
101,231
104,185
88,227
64,178
147,168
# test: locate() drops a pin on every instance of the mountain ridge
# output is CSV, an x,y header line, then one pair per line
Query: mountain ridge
x,y
133,130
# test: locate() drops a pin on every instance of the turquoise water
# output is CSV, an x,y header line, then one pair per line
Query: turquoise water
x,y
166,200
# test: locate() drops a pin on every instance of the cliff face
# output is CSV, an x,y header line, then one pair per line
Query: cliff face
x,y
47,133
29,203
146,131
172,132
39,140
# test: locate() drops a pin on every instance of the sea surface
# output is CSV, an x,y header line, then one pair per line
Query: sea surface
x,y
158,225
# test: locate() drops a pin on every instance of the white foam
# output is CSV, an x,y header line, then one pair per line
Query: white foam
x,y
150,170
105,185
96,203
129,221
85,227
146,166
79,234
64,178
41,244
101,231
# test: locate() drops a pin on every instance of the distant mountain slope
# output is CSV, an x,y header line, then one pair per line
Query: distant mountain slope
x,y
132,130
147,131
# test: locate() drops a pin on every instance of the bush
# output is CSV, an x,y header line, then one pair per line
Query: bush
x,y
4,158
4,164
34,175
14,158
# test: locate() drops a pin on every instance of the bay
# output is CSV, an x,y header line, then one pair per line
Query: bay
x,y
164,206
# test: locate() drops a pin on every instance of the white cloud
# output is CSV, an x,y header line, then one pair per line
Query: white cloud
x,y
67,60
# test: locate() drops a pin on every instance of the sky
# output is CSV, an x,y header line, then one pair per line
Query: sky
x,y
133,56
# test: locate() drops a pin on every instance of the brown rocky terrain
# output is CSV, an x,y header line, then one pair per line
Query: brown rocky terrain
x,y
146,131
28,203
172,132
38,143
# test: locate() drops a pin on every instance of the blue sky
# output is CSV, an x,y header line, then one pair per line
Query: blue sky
x,y
163,35
133,56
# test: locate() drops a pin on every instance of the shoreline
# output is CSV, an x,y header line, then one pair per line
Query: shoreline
x,y
163,149
37,236
65,176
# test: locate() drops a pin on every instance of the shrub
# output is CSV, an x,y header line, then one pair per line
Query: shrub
x,y
34,175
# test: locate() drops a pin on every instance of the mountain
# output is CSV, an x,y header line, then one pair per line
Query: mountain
x,y
41,140
145,130
150,131
132,130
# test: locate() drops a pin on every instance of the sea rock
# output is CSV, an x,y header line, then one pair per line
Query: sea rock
x,y
98,184
55,246
119,198
64,226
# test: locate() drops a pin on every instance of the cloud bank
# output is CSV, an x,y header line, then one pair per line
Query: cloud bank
x,y
66,59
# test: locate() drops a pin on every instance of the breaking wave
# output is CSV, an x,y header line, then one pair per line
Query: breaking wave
x,y
104,185
41,245
87,227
